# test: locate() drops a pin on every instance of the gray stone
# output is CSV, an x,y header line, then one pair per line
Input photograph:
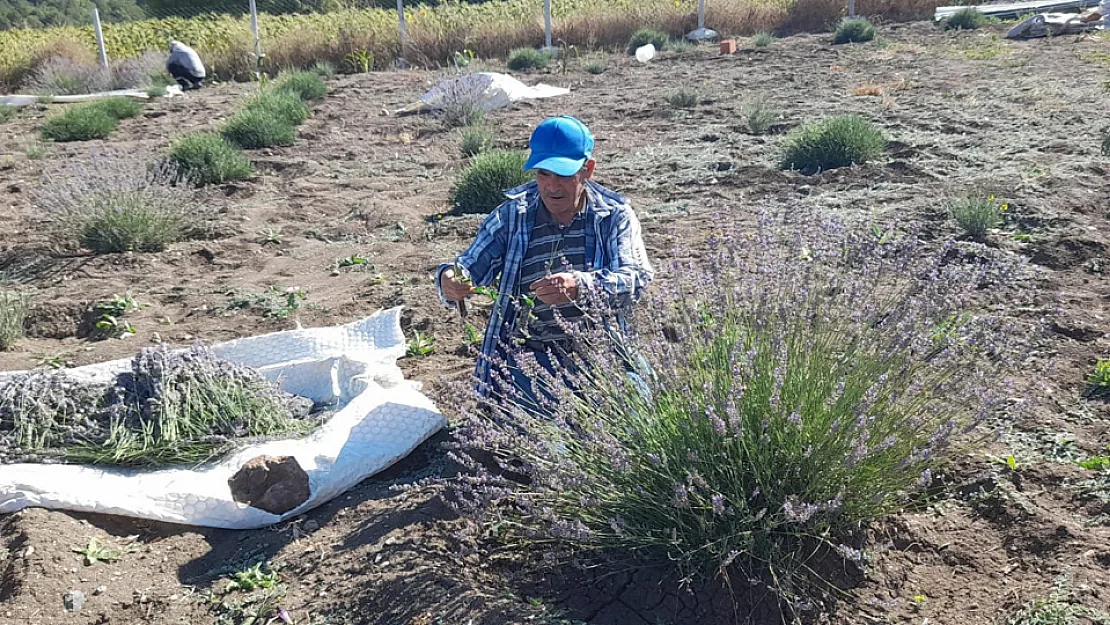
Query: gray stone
x,y
73,600
276,484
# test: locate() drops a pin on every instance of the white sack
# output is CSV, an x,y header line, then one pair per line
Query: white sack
x,y
380,418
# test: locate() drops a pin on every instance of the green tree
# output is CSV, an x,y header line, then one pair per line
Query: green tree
x,y
42,13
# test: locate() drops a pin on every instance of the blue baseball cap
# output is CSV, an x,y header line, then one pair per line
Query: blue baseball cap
x,y
560,145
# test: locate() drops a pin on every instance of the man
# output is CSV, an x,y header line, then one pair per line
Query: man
x,y
185,66
564,241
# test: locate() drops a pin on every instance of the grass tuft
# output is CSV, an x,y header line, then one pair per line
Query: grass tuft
x,y
13,315
683,98
7,113
835,142
118,107
83,123
854,30
208,158
284,105
645,36
759,115
528,58
1098,383
252,129
763,39
480,187
966,19
977,215
476,139
595,67
324,69
308,86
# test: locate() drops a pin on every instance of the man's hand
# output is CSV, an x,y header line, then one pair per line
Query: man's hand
x,y
454,290
559,288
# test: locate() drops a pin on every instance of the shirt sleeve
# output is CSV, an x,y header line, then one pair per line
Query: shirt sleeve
x,y
629,271
482,261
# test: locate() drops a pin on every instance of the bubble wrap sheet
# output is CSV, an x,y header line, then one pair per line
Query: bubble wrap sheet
x,y
380,418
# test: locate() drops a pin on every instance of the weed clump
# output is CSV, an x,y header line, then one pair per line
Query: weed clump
x,y
82,123
476,139
790,393
1098,383
854,30
480,187
252,129
595,67
683,98
13,314
118,107
759,115
528,58
119,204
763,39
835,142
308,86
284,105
170,408
966,19
977,215
645,36
324,69
207,158
7,113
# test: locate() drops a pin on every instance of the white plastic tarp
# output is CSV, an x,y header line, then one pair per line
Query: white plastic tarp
x,y
24,100
490,89
380,419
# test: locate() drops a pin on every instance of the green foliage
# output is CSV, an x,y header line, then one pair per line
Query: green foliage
x,y
82,123
645,36
273,302
108,316
1098,383
358,62
253,578
36,151
421,344
118,107
835,142
476,139
207,158
323,69
1061,608
762,39
124,222
977,215
528,58
1096,463
759,115
595,67
308,86
7,113
683,98
252,129
13,314
966,19
94,552
284,105
854,30
44,13
480,187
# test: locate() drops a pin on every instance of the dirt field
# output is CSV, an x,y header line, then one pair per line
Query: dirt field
x,y
966,112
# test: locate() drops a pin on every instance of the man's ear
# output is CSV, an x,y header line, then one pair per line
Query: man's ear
x,y
588,169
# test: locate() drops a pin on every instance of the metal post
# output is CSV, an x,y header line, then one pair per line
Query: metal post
x,y
401,21
257,37
701,14
851,8
99,38
547,23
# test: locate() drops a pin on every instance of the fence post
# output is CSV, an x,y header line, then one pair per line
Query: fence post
x,y
701,14
547,24
257,38
851,8
401,22
99,38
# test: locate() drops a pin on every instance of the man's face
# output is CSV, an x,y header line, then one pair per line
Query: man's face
x,y
561,193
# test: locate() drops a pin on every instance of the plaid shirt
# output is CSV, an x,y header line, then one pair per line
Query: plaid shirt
x,y
617,264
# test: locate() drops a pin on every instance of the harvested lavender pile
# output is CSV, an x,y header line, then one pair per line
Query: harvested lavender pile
x,y
170,408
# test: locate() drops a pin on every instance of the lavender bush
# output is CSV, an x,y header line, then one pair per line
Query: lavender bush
x,y
803,380
170,408
63,75
122,204
13,314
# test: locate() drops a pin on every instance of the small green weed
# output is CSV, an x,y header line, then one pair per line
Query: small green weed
x,y
985,50
1096,463
854,30
94,552
1098,383
759,115
968,18
977,215
528,58
108,316
82,123
7,113
645,36
683,98
285,105
36,151
1061,608
208,158
595,67
13,315
252,129
480,187
471,336
274,302
835,142
476,139
358,62
421,344
118,107
253,578
763,39
271,236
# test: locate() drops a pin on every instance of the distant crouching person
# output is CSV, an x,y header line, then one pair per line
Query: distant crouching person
x,y
185,66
